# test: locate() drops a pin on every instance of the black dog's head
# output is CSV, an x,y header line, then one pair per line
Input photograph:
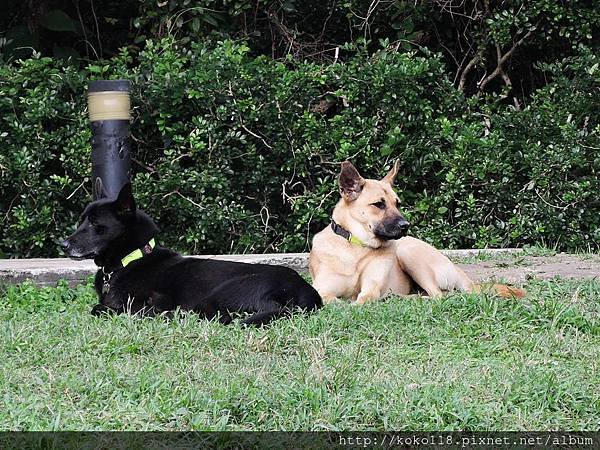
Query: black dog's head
x,y
110,228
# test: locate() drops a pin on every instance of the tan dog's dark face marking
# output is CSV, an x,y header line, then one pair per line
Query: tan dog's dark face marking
x,y
373,203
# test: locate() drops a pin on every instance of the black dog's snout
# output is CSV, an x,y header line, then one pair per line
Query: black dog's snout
x,y
64,245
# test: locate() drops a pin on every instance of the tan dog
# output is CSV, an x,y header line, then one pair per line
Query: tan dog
x,y
365,253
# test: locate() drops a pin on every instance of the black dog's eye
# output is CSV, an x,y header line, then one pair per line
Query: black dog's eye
x,y
380,205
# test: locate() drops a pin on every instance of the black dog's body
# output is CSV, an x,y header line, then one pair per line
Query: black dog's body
x,y
162,280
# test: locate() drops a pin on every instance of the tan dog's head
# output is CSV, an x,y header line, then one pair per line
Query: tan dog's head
x,y
369,208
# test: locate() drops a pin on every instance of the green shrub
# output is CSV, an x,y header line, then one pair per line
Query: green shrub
x,y
44,155
241,154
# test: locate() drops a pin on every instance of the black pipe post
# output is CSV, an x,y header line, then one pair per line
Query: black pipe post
x,y
108,107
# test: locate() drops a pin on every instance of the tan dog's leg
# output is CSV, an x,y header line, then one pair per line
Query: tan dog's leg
x,y
367,295
419,270
430,269
330,286
373,279
426,279
328,298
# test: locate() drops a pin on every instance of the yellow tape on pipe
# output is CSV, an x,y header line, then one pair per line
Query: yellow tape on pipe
x,y
108,105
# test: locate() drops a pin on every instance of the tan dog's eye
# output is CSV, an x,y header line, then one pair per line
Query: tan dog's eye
x,y
380,205
397,203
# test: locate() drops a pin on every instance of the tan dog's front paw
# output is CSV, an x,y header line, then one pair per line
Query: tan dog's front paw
x,y
364,298
327,299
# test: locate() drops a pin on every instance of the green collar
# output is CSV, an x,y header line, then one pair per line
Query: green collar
x,y
341,231
139,253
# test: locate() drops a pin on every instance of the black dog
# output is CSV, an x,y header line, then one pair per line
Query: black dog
x,y
137,277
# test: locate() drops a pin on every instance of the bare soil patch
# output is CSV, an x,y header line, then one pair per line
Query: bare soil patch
x,y
517,269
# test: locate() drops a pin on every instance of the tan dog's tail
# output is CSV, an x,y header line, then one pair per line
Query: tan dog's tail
x,y
502,290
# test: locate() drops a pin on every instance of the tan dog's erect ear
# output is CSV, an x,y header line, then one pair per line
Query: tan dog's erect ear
x,y
391,176
351,183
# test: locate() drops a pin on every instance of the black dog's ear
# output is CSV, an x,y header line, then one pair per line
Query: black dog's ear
x,y
351,183
125,202
99,191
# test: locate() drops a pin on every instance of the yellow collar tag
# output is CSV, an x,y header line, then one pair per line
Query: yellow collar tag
x,y
356,241
341,231
138,253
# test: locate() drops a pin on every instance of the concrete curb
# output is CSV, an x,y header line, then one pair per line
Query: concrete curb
x,y
47,272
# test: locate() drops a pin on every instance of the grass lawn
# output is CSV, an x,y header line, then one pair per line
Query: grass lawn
x,y
461,362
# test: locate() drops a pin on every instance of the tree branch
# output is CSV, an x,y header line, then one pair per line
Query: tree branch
x,y
467,69
501,60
